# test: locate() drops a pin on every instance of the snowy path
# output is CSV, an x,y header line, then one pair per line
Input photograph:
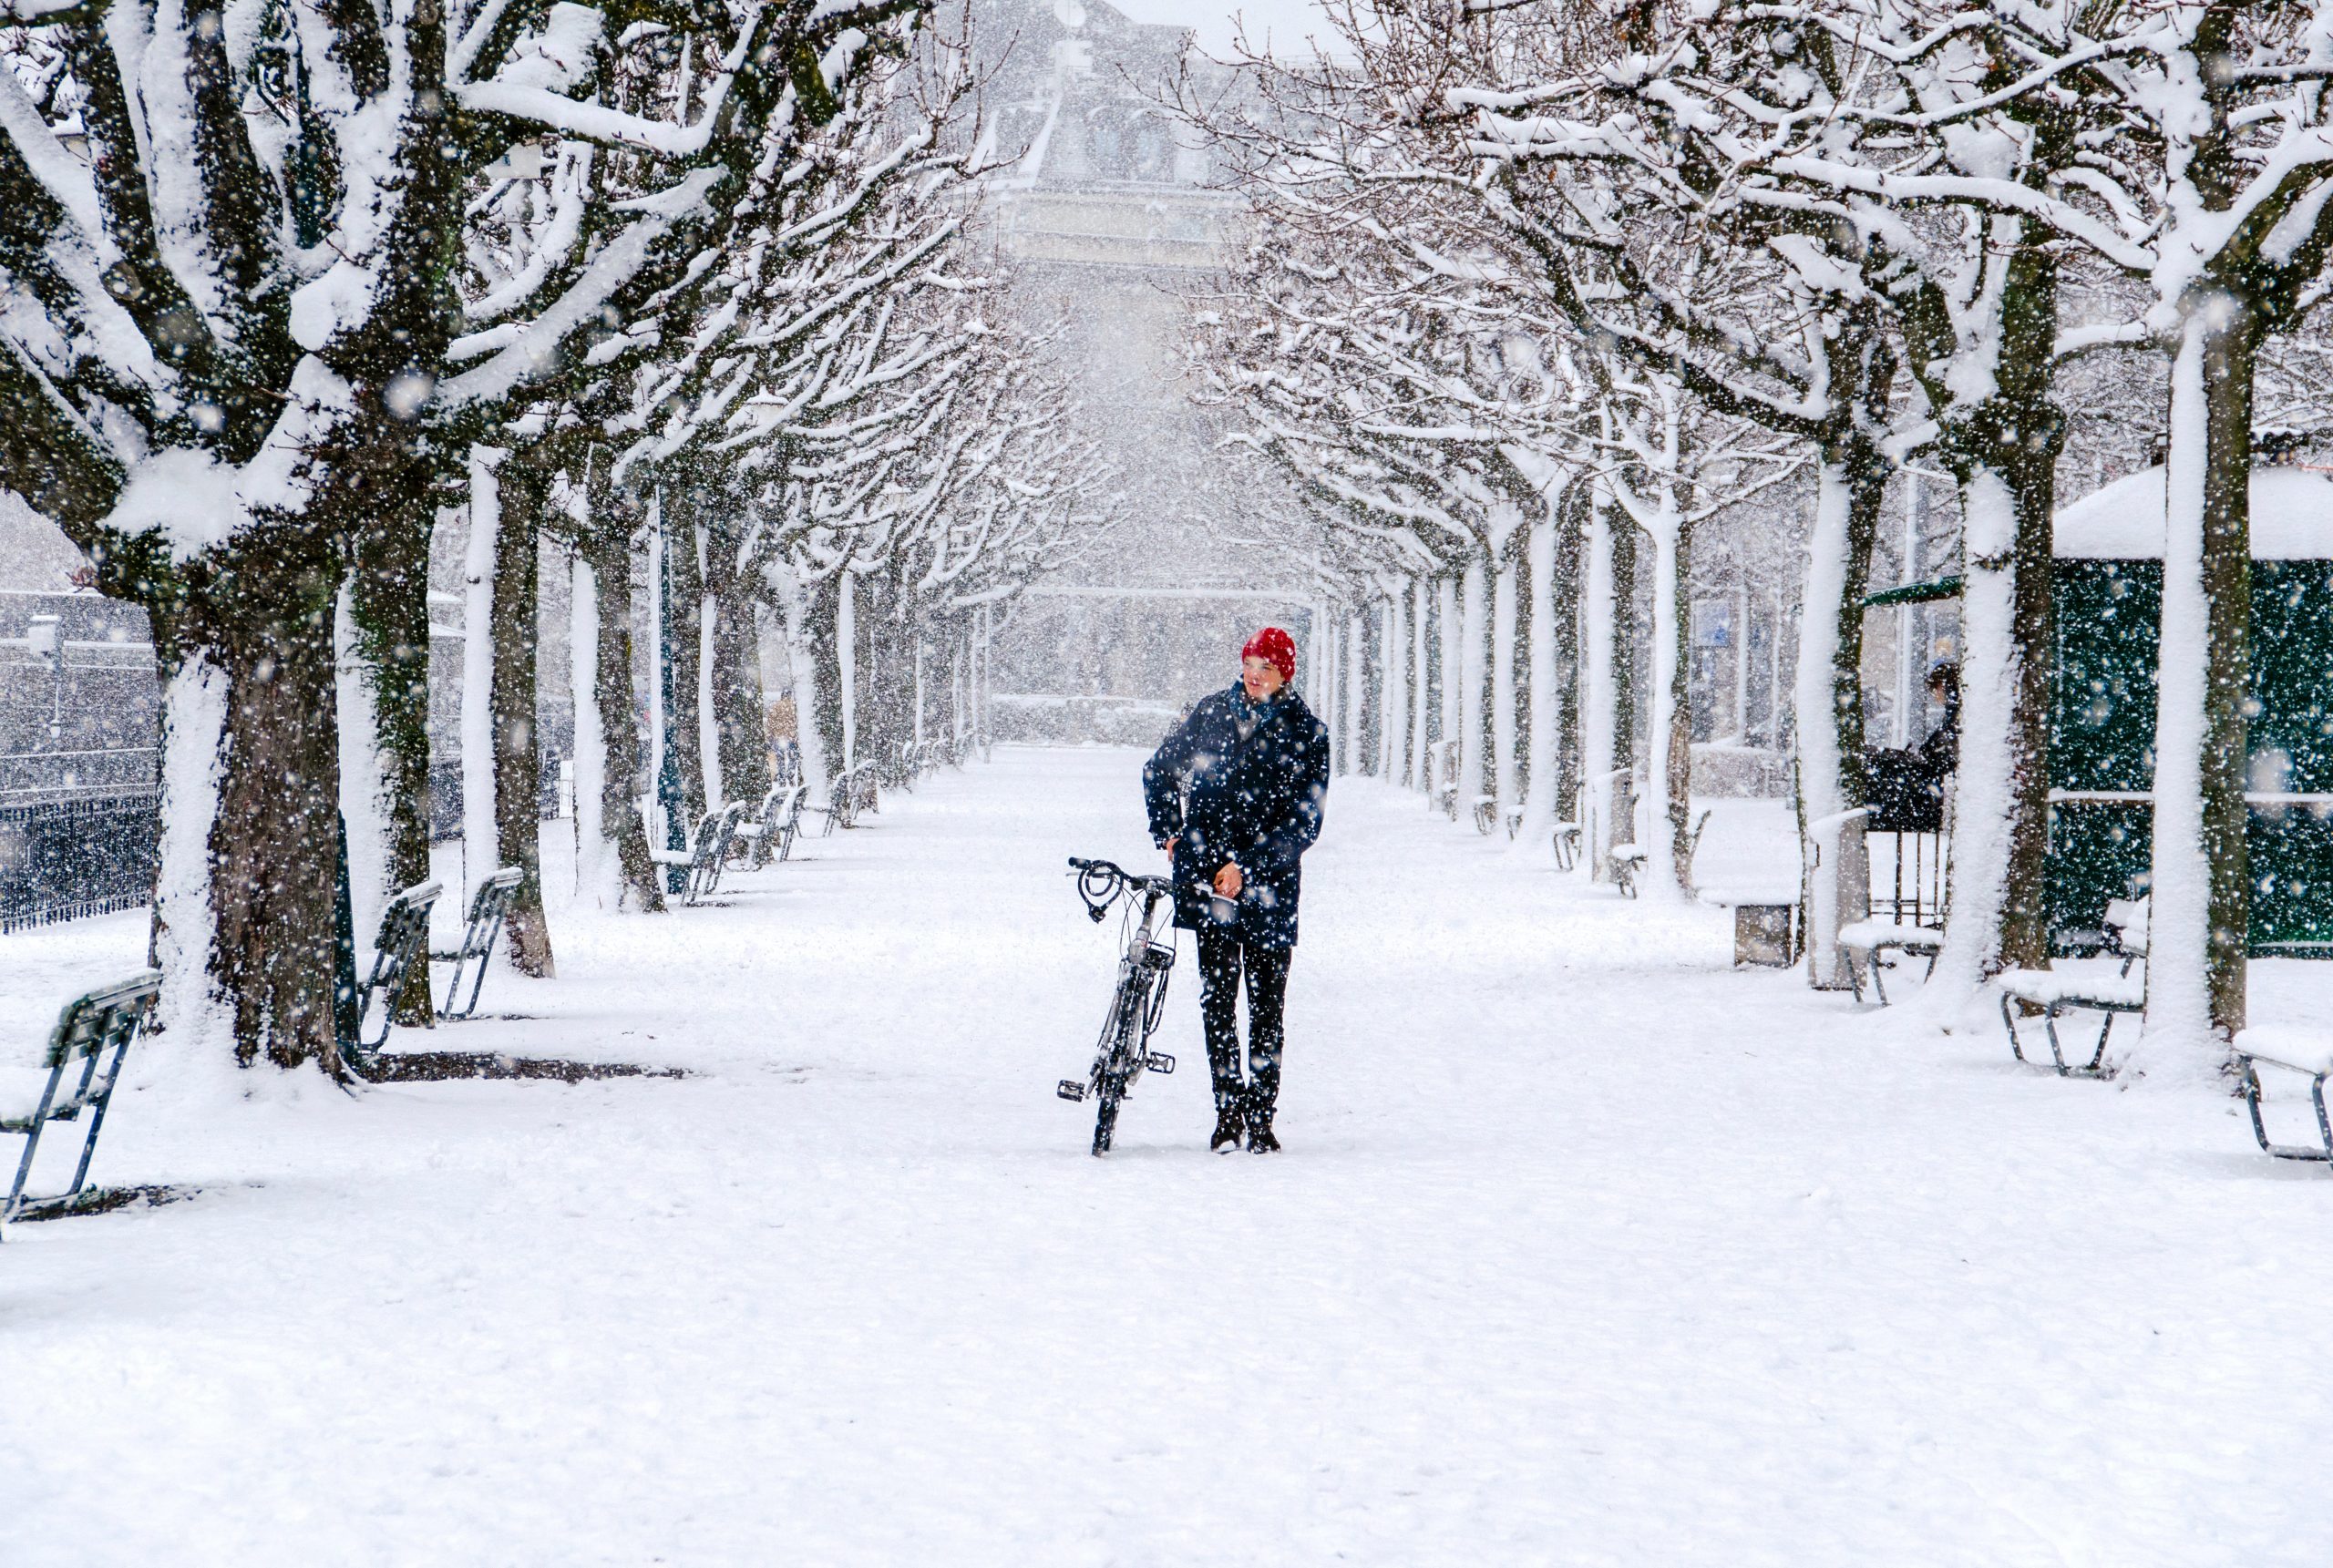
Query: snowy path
x,y
1585,1250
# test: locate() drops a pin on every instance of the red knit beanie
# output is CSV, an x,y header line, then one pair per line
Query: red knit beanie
x,y
1275,645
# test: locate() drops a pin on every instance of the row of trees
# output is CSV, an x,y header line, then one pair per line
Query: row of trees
x,y
1544,289
291,284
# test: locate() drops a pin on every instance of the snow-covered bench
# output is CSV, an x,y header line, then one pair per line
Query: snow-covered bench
x,y
1567,846
1869,939
94,1032
488,907
706,852
1442,769
1765,921
770,834
844,797
2088,985
1908,913
402,943
1627,860
2303,1051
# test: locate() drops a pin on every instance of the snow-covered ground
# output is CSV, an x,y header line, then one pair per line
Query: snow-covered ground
x,y
1585,1249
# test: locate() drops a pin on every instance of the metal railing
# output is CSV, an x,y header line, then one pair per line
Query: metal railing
x,y
92,853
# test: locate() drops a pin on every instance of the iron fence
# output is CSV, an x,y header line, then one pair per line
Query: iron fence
x,y
84,855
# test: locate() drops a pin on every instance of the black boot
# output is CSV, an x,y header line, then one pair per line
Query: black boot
x,y
1229,1123
1259,1130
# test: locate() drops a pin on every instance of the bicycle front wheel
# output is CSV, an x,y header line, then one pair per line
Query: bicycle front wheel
x,y
1116,1066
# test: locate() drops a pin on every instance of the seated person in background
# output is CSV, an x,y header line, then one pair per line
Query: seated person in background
x,y
1907,786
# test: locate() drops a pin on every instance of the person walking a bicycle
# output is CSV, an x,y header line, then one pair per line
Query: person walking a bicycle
x,y
1234,796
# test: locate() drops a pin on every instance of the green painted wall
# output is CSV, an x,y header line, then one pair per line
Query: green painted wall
x,y
2103,737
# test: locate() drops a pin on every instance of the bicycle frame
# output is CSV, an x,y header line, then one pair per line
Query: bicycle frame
x,y
1123,1053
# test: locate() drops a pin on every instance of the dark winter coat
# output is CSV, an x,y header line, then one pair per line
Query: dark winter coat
x,y
1256,802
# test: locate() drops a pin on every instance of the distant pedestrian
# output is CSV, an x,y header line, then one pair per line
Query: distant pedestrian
x,y
1908,786
1235,796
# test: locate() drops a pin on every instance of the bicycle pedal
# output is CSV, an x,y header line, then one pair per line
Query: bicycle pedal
x,y
1070,1089
1159,1062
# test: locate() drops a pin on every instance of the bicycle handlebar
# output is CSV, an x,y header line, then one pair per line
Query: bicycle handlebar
x,y
1110,880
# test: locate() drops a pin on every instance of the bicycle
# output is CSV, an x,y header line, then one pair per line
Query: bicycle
x,y
1124,1053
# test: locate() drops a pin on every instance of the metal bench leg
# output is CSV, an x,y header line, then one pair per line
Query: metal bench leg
x,y
2252,1096
484,957
32,1144
1878,984
454,985
2049,1019
97,1117
2252,1100
2008,1020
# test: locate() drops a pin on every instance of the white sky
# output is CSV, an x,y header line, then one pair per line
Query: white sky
x,y
1286,21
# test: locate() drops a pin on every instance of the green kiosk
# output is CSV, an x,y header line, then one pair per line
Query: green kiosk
x,y
2102,762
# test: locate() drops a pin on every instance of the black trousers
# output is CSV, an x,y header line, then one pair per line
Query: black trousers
x,y
1222,956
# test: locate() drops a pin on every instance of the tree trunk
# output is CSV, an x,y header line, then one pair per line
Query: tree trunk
x,y
739,719
808,607
597,876
684,641
1666,871
2201,913
481,553
608,552
1600,679
1504,633
957,645
1539,575
1392,687
517,765
385,729
846,666
1849,486
2004,452
1473,682
1450,665
1563,601
1624,669
246,909
1421,705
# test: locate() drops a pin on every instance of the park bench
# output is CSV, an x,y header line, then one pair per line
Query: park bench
x,y
770,834
2307,1052
702,856
1765,921
841,809
1629,860
402,943
1441,769
94,1032
2090,988
854,794
1907,920
489,907
1485,814
1567,846
1628,864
